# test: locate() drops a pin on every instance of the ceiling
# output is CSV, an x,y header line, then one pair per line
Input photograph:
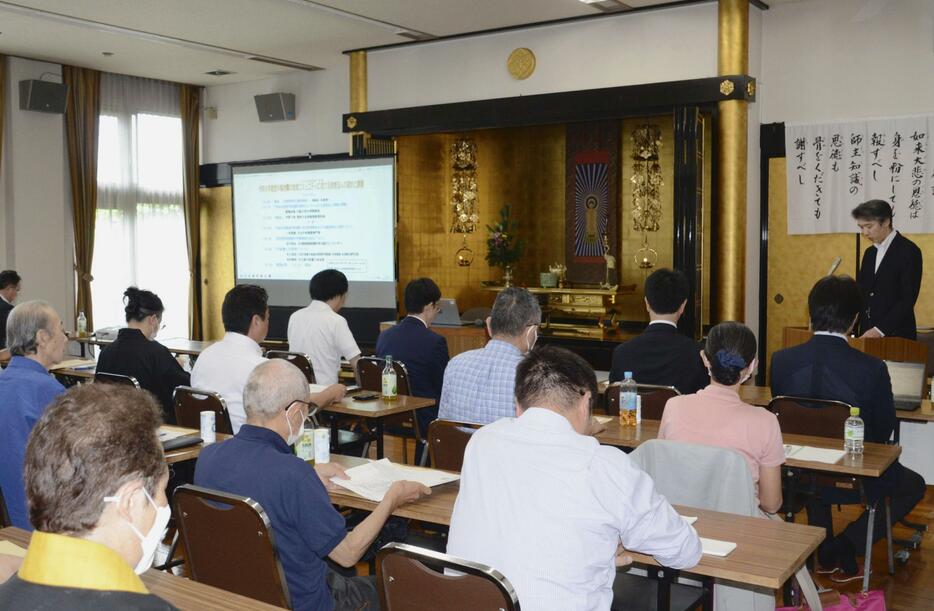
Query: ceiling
x,y
181,40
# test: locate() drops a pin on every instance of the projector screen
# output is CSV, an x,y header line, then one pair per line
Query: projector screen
x,y
294,220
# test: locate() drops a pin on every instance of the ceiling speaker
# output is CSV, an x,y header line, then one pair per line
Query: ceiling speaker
x,y
43,96
275,107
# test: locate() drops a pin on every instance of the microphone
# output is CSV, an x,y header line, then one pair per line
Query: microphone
x,y
834,266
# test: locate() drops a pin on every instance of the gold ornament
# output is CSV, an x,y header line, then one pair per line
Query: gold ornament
x,y
726,87
521,63
351,122
751,88
646,178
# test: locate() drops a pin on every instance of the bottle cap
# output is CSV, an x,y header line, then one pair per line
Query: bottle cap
x,y
854,411
628,375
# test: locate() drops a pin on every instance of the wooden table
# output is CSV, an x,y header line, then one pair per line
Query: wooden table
x,y
375,412
183,593
188,452
767,552
176,345
876,457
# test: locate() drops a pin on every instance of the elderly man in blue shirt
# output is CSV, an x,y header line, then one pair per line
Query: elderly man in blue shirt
x,y
257,462
479,384
36,339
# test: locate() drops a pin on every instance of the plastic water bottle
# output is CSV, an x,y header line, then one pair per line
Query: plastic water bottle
x,y
81,326
853,431
628,401
389,381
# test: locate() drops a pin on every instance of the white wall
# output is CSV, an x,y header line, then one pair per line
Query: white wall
x,y
35,204
237,135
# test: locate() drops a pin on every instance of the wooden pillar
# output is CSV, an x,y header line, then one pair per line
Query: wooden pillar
x,y
358,83
729,292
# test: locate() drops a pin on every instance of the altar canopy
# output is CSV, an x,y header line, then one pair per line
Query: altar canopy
x,y
833,167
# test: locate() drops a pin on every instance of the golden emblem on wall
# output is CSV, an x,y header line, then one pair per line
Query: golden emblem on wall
x,y
351,122
751,88
521,63
726,87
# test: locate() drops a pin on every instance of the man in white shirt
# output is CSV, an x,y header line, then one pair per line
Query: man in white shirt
x,y
549,507
225,366
320,332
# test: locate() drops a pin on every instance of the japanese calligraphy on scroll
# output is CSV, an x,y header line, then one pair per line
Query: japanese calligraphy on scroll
x,y
834,167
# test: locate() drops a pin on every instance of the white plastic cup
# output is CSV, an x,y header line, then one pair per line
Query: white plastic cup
x,y
322,446
208,427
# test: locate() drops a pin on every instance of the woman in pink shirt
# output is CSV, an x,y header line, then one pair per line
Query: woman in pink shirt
x,y
716,415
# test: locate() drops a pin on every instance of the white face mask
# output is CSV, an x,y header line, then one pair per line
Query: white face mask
x,y
531,343
294,437
150,541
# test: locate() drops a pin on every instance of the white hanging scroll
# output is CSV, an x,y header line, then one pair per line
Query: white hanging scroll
x,y
834,167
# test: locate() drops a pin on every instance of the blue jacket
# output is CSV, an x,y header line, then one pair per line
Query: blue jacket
x,y
423,352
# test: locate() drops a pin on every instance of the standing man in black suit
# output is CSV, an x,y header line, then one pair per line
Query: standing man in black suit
x,y
10,285
661,354
826,367
890,275
423,352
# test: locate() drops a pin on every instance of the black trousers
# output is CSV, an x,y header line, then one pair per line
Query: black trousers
x,y
353,593
904,487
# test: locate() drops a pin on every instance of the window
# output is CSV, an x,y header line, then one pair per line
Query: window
x,y
140,233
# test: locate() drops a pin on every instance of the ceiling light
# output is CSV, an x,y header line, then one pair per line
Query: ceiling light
x,y
220,72
107,53
608,6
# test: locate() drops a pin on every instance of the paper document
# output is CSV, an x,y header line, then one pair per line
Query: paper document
x,y
313,388
11,549
813,454
714,547
689,519
76,364
167,434
603,419
372,480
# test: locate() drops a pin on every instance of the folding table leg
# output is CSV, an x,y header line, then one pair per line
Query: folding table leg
x,y
888,534
665,577
867,559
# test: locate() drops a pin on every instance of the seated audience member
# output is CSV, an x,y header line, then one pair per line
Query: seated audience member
x,y
424,352
136,353
826,367
716,416
224,366
37,342
95,478
661,354
545,504
10,285
320,332
479,385
258,463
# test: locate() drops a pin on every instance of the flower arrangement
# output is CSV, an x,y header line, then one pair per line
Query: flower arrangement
x,y
503,248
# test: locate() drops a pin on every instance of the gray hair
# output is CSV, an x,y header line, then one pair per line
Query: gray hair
x,y
24,323
513,311
272,387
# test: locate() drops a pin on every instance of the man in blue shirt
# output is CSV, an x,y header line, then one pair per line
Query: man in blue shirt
x,y
423,352
37,341
258,463
479,385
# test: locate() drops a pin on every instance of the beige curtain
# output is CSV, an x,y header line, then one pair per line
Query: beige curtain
x,y
82,113
190,96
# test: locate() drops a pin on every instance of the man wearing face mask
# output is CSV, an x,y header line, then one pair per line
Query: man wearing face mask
x,y
99,507
37,342
479,384
257,462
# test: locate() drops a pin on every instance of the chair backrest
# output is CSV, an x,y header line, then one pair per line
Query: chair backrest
x,y
804,416
4,516
296,358
230,544
190,402
699,475
370,374
654,398
411,578
447,441
115,378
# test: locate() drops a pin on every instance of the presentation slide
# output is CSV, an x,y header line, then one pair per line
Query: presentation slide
x,y
294,220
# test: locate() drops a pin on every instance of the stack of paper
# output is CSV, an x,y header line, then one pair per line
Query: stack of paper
x,y
807,453
167,434
714,547
372,480
76,364
689,519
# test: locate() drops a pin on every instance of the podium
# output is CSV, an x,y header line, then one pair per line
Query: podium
x,y
885,348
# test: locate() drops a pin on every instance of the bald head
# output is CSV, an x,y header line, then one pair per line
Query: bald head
x,y
272,387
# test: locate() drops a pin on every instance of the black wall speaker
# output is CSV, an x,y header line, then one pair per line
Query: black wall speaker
x,y
43,96
275,107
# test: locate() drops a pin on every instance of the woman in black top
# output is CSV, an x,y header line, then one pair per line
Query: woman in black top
x,y
134,353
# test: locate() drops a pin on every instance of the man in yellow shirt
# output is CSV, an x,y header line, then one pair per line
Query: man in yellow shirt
x,y
95,480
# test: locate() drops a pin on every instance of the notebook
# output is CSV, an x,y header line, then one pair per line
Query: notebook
x,y
714,547
807,453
